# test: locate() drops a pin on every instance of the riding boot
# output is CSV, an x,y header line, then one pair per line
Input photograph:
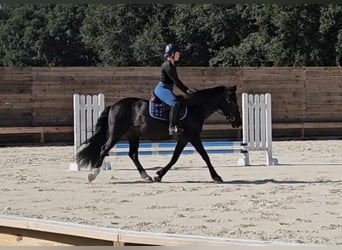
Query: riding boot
x,y
173,118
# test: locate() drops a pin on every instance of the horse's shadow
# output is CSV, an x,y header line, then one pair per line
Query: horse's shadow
x,y
234,182
267,181
156,168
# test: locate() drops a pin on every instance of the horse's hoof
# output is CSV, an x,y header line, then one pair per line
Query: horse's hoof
x,y
218,179
91,177
148,179
157,179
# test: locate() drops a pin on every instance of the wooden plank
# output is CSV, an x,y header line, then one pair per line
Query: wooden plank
x,y
50,89
8,117
98,71
323,71
274,126
45,232
17,239
58,105
308,125
25,130
5,97
35,233
20,130
265,86
314,125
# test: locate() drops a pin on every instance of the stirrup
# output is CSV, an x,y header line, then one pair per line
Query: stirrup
x,y
173,130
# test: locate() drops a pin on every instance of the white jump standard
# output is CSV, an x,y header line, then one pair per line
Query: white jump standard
x,y
257,126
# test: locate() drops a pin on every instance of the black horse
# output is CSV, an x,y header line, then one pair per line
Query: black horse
x,y
130,117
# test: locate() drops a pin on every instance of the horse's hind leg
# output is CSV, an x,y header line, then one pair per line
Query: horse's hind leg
x,y
197,143
133,140
111,141
116,130
181,143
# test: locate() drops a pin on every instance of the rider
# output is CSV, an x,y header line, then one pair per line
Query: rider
x,y
164,89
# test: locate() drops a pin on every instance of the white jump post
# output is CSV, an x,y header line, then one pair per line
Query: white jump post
x,y
257,126
87,110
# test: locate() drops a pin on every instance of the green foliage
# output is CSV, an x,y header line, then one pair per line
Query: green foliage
x,y
124,35
107,29
296,41
148,45
63,44
136,34
331,33
205,29
286,36
20,29
251,51
43,35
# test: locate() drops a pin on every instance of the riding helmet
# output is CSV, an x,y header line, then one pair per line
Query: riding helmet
x,y
170,49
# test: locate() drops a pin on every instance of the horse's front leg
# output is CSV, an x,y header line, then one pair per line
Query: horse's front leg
x,y
197,143
133,140
181,143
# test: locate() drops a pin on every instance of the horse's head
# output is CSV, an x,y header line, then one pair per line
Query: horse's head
x,y
230,107
214,99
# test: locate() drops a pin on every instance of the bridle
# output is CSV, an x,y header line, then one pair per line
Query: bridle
x,y
231,116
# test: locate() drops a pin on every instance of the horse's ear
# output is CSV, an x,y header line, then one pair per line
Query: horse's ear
x,y
233,89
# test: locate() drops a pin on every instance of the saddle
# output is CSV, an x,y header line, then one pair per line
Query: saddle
x,y
160,110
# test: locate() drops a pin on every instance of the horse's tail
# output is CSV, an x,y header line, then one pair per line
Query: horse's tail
x,y
90,154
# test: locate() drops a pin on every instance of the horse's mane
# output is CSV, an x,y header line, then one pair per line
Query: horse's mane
x,y
203,96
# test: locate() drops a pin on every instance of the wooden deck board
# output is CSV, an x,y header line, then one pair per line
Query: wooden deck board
x,y
27,231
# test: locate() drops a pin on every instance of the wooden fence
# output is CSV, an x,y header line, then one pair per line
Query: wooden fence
x,y
302,98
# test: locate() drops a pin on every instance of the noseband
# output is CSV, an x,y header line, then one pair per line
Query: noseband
x,y
231,116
